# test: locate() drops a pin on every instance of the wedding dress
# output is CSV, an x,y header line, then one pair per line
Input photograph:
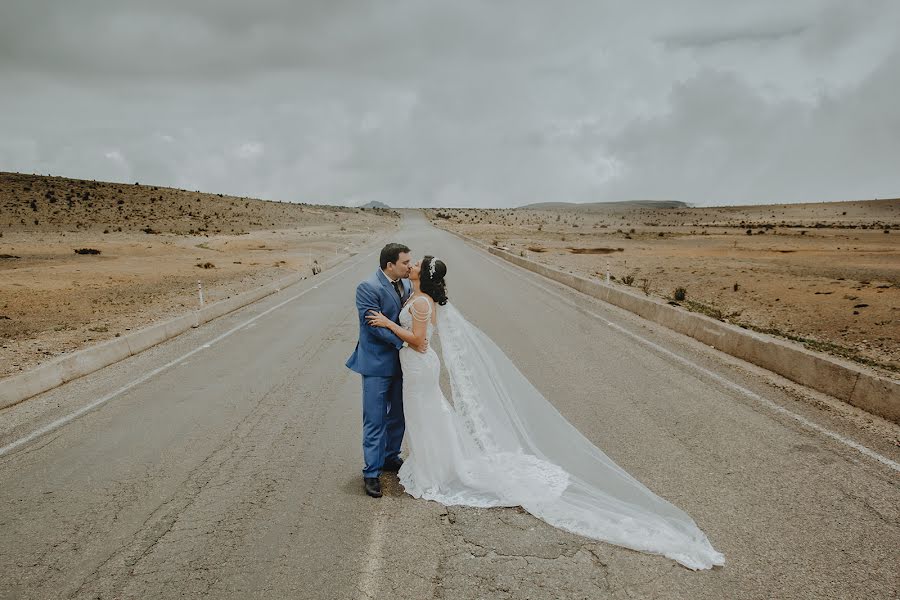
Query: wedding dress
x,y
501,443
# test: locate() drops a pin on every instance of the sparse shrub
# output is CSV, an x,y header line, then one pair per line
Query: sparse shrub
x,y
87,251
679,294
736,286
206,265
628,279
750,232
645,286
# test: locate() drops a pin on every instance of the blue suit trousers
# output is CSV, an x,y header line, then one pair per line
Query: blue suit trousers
x,y
383,423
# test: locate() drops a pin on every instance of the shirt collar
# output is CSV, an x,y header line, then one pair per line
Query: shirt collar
x,y
386,277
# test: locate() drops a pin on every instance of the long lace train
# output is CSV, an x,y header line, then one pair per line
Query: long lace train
x,y
503,444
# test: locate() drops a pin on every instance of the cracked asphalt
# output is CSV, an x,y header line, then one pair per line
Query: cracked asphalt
x,y
236,472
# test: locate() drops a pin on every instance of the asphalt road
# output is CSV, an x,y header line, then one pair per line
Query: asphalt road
x,y
235,472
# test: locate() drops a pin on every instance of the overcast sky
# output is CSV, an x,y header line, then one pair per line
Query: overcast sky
x,y
493,103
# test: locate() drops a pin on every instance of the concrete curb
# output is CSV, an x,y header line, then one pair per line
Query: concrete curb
x,y
835,377
45,377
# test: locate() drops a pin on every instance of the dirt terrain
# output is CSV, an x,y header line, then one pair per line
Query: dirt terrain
x,y
826,275
154,245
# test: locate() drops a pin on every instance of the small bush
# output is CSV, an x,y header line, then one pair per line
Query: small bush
x,y
679,294
628,279
87,251
206,265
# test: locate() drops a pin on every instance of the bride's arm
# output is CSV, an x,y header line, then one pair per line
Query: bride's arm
x,y
416,337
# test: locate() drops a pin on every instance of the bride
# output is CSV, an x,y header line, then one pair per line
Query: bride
x,y
501,443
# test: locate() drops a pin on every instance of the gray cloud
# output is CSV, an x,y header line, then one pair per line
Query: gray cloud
x,y
473,103
764,34
723,143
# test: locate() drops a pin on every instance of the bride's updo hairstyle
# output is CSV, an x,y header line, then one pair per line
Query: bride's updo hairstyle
x,y
431,279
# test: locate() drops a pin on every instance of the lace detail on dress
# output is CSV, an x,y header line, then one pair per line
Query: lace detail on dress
x,y
463,389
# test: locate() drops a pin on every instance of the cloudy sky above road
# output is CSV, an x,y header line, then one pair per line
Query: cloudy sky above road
x,y
491,103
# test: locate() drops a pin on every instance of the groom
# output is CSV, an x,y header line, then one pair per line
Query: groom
x,y
377,359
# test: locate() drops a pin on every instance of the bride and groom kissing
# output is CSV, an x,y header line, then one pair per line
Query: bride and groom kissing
x,y
497,441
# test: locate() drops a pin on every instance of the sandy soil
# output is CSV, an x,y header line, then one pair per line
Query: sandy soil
x,y
54,301
826,275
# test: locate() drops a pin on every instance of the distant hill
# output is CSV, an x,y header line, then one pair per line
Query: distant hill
x,y
375,204
37,203
605,206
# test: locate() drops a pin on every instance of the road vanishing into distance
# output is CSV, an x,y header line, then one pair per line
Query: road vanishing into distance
x,y
225,463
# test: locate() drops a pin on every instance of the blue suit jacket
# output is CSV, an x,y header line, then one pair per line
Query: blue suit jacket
x,y
377,351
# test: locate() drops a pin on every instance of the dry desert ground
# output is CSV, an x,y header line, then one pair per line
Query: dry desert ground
x,y
826,275
154,245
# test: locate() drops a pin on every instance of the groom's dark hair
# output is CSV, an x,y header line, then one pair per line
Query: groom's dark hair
x,y
391,253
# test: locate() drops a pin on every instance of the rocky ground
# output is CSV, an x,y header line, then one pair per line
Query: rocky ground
x,y
825,274
152,247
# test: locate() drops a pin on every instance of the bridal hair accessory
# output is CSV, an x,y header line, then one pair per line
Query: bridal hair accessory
x,y
431,266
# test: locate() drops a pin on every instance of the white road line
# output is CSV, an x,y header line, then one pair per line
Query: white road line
x,y
99,402
368,579
726,382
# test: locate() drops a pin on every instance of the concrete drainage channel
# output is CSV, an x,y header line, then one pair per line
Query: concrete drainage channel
x,y
840,379
20,387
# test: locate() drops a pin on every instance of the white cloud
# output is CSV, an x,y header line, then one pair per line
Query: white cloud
x,y
249,150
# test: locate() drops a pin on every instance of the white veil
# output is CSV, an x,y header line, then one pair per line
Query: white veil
x,y
505,413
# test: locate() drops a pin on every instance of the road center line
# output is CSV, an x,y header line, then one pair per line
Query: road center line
x,y
368,580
